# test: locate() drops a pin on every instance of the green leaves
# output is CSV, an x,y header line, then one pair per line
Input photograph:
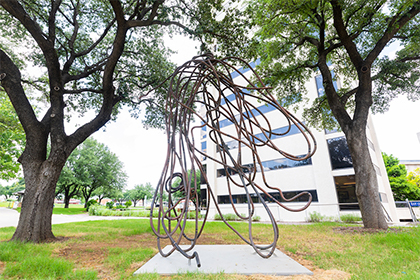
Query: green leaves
x,y
295,39
92,167
139,192
12,139
403,187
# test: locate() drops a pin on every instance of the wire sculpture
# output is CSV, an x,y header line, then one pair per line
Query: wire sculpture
x,y
208,82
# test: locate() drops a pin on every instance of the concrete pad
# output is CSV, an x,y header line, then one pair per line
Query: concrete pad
x,y
230,259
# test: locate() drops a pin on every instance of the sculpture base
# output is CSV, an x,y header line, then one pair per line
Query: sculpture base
x,y
230,259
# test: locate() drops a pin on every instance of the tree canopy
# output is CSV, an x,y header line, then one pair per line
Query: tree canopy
x,y
292,40
402,186
92,169
140,192
340,42
93,56
12,139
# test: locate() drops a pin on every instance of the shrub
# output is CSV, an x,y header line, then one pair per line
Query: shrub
x,y
90,203
256,218
227,217
350,218
315,217
110,204
128,203
191,215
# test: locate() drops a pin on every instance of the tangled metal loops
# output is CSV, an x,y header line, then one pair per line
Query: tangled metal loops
x,y
207,83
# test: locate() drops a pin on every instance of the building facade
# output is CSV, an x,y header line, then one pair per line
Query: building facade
x,y
328,175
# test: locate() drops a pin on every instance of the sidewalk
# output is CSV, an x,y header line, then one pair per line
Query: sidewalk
x,y
10,218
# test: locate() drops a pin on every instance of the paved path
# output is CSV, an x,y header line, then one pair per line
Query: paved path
x,y
10,218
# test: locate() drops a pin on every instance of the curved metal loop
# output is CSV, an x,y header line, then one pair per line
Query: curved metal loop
x,y
208,82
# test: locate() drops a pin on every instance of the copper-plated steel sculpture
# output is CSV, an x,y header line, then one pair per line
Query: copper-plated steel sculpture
x,y
206,81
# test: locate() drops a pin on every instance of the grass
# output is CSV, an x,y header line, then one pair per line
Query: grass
x,y
5,203
97,210
69,211
74,209
98,249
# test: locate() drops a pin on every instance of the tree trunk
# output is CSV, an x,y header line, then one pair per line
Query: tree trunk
x,y
366,180
38,202
66,201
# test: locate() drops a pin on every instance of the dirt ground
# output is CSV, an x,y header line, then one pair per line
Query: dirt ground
x,y
91,255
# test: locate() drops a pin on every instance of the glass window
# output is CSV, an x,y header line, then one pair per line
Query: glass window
x,y
370,144
242,198
377,170
346,192
321,91
234,144
319,84
262,109
339,153
267,165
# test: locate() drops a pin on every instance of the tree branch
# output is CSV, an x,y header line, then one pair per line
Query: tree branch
x,y
81,90
11,81
346,40
394,25
51,19
345,97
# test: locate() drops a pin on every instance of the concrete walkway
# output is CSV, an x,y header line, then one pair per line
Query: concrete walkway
x,y
10,218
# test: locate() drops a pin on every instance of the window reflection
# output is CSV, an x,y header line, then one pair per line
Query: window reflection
x,y
339,153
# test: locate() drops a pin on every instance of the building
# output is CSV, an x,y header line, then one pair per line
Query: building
x,y
328,175
411,165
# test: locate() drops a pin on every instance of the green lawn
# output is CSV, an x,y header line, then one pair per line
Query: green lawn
x,y
115,249
5,204
72,210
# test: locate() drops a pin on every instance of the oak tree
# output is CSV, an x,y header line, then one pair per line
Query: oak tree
x,y
337,39
94,57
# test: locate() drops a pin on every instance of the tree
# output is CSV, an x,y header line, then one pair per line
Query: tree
x,y
12,139
140,192
340,40
70,180
401,186
95,56
8,191
414,178
91,169
100,169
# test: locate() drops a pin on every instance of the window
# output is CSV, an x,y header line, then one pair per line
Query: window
x,y
370,144
377,170
242,198
321,91
339,153
261,110
266,165
346,192
383,197
320,86
234,144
